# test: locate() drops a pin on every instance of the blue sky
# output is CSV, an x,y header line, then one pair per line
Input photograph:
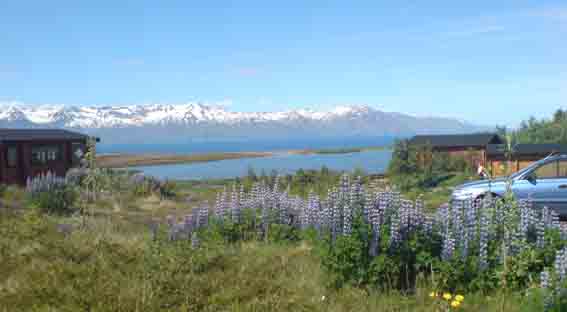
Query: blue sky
x,y
481,61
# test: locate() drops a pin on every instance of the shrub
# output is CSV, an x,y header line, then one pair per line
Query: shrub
x,y
420,167
167,189
143,185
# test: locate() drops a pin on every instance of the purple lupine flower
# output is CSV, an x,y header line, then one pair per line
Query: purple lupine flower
x,y
188,223
525,219
483,239
347,219
555,220
545,280
448,247
336,217
457,226
394,229
177,231
469,226
560,264
235,206
204,214
368,204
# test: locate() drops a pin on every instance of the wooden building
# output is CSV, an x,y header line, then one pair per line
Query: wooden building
x,y
502,163
28,152
472,147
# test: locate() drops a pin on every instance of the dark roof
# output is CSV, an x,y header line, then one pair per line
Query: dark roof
x,y
457,140
528,149
539,149
39,134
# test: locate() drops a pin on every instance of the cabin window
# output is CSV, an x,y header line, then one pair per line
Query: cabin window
x,y
12,156
42,154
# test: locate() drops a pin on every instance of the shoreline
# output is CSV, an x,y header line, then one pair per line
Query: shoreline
x,y
332,151
138,160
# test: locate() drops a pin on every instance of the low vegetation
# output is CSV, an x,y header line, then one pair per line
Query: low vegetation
x,y
550,130
263,246
105,268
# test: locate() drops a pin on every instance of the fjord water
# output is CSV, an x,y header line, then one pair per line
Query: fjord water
x,y
375,161
283,163
214,146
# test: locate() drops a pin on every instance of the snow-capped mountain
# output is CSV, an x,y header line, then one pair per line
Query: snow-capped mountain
x,y
174,123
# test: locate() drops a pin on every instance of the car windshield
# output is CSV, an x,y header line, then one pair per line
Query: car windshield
x,y
528,168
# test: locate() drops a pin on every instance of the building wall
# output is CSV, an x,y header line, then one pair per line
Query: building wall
x,y
474,156
25,168
58,167
501,167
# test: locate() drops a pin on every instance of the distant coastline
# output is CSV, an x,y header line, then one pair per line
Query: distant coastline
x,y
339,150
122,160
135,160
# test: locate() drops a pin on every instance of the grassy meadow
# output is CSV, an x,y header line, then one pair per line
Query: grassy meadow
x,y
108,254
113,265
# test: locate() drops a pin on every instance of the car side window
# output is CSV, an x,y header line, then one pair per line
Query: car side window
x,y
547,171
562,169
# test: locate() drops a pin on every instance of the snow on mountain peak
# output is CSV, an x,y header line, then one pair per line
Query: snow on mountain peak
x,y
157,114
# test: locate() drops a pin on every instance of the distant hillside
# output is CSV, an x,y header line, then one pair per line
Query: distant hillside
x,y
195,121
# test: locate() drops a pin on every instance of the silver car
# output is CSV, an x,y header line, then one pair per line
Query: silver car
x,y
544,182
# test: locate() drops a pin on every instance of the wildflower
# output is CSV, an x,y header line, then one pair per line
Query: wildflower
x,y
455,303
459,298
447,296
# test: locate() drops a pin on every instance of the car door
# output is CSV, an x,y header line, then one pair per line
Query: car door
x,y
542,186
559,196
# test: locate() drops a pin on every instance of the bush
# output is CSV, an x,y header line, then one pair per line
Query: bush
x,y
143,185
167,189
420,167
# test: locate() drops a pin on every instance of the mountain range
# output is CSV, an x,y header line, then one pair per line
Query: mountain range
x,y
197,121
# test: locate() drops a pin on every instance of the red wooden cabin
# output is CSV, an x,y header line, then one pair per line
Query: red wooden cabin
x,y
472,147
28,152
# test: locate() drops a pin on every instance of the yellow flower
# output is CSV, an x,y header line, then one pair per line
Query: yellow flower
x,y
455,304
459,298
432,294
447,296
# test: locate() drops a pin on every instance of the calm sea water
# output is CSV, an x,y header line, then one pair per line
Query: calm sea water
x,y
243,146
371,161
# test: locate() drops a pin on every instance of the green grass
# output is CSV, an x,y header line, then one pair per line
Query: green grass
x,y
114,267
440,194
